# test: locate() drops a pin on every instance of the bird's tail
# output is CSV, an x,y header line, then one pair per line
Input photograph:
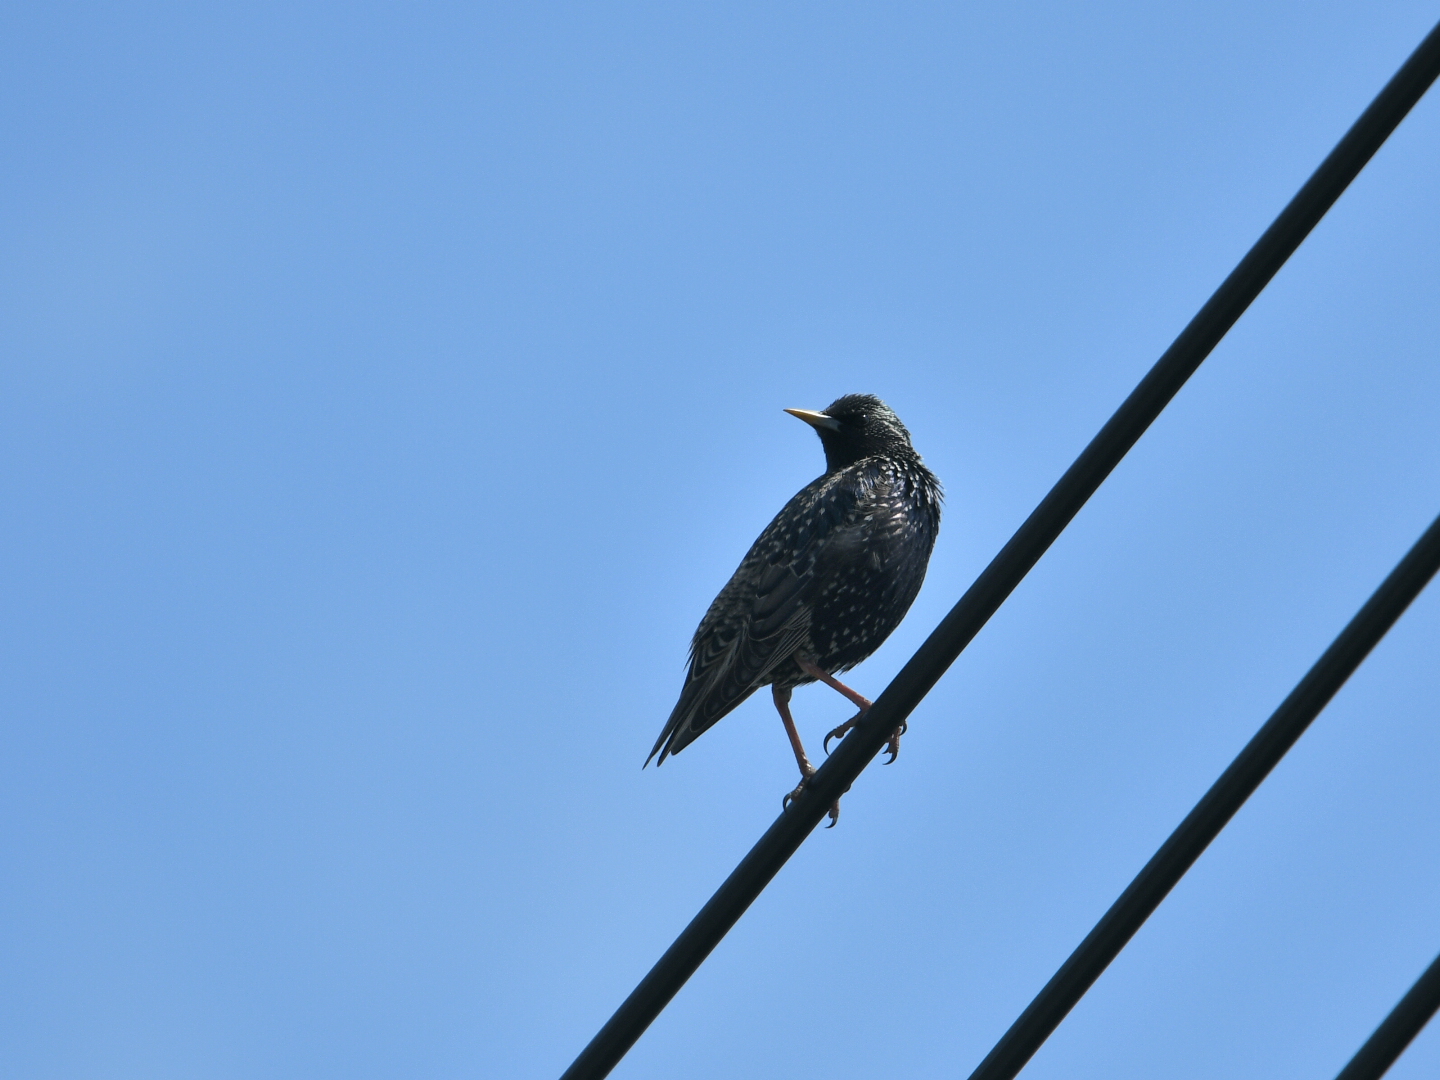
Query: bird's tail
x,y
702,702
678,732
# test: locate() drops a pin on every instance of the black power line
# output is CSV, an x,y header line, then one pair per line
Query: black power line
x,y
1211,814
1010,566
1373,1060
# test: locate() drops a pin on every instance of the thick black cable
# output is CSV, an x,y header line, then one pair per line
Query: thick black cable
x,y
1010,566
1211,814
1398,1030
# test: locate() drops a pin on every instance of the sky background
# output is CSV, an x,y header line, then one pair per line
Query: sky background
x,y
385,391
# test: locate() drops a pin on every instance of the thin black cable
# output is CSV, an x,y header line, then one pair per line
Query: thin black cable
x,y
1010,566
1211,814
1398,1030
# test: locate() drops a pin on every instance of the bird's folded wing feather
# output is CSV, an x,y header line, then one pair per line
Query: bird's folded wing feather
x,y
763,613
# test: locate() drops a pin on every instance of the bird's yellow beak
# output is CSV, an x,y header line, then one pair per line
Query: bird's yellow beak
x,y
816,419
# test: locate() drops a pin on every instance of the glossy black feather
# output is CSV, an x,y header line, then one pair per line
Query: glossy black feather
x,y
828,579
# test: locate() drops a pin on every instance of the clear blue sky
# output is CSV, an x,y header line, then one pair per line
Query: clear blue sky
x,y
385,390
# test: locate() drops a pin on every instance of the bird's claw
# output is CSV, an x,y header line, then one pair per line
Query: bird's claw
x,y
806,771
843,730
893,746
800,787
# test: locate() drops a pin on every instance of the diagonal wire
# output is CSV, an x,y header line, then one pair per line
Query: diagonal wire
x,y
1398,1030
1214,811
1010,566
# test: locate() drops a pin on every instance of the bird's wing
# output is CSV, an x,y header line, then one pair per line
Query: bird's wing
x,y
763,613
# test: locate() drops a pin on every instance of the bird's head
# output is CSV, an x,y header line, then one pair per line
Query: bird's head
x,y
855,427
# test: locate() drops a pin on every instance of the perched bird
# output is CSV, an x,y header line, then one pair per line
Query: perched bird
x,y
823,586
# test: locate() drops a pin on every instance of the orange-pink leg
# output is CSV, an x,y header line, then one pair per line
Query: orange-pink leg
x,y
858,700
782,706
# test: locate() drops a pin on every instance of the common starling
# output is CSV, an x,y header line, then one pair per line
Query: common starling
x,y
823,586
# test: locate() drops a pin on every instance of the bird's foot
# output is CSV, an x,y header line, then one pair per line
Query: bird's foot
x,y
893,746
800,788
843,730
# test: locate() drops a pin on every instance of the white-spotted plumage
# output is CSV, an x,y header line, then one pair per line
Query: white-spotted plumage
x,y
827,581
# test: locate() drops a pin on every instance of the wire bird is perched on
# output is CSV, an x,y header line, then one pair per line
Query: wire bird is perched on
x,y
823,586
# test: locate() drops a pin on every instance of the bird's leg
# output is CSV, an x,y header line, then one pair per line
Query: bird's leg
x,y
782,706
860,701
892,747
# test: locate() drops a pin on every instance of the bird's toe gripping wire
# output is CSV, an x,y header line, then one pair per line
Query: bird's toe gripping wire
x,y
834,812
892,747
841,731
